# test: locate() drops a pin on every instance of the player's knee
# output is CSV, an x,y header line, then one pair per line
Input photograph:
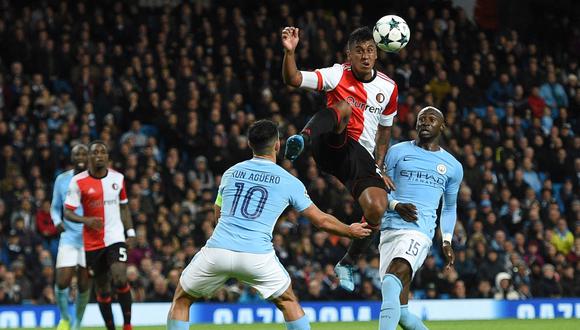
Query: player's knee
x,y
401,269
343,109
119,282
374,212
286,301
62,283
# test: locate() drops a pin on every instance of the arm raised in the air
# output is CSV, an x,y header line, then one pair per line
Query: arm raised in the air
x,y
290,73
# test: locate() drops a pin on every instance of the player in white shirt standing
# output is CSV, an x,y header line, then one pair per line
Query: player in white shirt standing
x,y
349,139
107,225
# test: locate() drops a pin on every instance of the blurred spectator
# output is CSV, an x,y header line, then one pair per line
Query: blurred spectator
x,y
548,285
504,287
563,239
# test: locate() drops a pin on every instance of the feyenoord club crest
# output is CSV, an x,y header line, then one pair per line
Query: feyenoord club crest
x,y
115,186
442,169
380,97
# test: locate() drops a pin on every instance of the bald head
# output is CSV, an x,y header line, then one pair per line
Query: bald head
x,y
436,111
79,157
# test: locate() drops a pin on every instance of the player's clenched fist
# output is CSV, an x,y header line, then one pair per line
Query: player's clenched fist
x,y
290,38
359,230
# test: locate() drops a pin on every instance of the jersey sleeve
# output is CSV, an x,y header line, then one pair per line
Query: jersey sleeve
x,y
123,194
449,209
325,79
56,204
223,183
299,198
388,115
73,196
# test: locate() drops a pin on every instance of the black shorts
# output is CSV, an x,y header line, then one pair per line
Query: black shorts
x,y
348,161
99,261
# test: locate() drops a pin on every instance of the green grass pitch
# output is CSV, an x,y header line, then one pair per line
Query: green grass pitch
x,y
559,324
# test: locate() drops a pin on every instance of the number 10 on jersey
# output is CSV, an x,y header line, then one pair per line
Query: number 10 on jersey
x,y
261,196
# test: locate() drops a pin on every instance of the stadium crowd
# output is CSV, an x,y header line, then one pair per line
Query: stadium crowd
x,y
172,89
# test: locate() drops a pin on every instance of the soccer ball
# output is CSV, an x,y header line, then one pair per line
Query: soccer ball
x,y
391,33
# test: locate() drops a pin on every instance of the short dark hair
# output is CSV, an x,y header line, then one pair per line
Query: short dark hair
x,y
95,142
262,136
359,35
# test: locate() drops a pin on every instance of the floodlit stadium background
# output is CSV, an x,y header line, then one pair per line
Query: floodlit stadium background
x,y
171,86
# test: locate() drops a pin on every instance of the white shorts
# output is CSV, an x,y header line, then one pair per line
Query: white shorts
x,y
70,256
410,245
212,267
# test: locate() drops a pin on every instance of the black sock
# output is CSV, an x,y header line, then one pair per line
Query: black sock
x,y
324,121
125,300
104,301
359,246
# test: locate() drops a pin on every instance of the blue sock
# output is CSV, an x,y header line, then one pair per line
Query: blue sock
x,y
391,306
300,324
177,325
81,304
410,321
62,302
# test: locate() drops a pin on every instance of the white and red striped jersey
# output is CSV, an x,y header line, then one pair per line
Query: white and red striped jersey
x,y
373,103
99,197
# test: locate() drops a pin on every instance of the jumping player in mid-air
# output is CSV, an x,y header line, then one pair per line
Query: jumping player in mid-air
x,y
424,173
349,139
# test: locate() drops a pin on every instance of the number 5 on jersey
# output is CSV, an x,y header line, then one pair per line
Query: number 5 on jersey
x,y
261,196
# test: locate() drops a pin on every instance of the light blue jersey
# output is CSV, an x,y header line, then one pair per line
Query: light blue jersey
x,y
73,234
252,195
421,178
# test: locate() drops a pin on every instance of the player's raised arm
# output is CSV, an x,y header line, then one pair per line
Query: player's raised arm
x,y
329,223
290,72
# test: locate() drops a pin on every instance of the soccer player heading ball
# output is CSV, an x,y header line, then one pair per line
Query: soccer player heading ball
x,y
350,138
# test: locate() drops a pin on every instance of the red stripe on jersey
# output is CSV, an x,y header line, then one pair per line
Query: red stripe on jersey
x,y
123,194
93,203
385,77
70,207
392,105
319,87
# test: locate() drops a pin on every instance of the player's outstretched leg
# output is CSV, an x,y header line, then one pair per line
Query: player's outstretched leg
x,y
373,201
294,316
61,290
391,306
410,321
178,318
324,121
